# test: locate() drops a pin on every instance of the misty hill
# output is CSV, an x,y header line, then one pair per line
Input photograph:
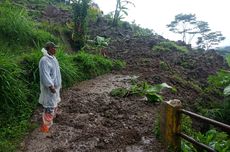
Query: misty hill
x,y
223,50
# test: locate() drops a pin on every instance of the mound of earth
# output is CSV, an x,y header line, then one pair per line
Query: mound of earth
x,y
187,72
91,120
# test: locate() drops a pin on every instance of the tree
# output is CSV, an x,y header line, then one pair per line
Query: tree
x,y
80,8
187,25
201,28
183,24
206,41
121,7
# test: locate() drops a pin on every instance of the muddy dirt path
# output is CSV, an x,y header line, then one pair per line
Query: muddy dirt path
x,y
92,121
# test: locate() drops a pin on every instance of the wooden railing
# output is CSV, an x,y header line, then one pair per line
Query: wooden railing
x,y
170,122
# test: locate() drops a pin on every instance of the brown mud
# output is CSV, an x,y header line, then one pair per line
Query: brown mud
x,y
93,121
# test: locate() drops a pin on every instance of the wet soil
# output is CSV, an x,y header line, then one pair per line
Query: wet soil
x,y
93,121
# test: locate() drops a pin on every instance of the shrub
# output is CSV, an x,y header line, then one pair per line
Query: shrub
x,y
118,64
167,46
141,32
16,27
13,91
92,65
14,107
69,71
219,141
29,65
93,14
220,80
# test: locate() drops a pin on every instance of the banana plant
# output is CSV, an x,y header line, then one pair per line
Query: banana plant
x,y
121,9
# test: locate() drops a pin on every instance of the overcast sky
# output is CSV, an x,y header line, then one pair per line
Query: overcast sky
x,y
156,14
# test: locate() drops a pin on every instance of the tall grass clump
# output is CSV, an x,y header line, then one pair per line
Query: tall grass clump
x,y
92,65
69,71
29,65
14,107
13,91
17,28
167,46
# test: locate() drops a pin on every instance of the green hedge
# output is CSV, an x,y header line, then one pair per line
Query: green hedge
x,y
19,80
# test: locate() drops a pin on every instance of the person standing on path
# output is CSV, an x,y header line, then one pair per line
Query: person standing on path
x,y
50,85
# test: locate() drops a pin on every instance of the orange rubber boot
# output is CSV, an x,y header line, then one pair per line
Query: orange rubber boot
x,y
44,128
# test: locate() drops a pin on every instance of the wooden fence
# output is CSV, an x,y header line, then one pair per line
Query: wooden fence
x,y
170,124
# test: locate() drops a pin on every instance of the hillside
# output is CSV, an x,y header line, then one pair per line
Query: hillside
x,y
93,120
223,50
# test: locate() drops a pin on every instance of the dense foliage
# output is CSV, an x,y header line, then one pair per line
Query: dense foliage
x,y
80,11
20,43
217,140
17,28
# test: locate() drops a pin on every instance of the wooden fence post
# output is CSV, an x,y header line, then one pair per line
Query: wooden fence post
x,y
170,123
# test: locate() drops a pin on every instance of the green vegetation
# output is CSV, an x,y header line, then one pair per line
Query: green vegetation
x,y
141,32
119,92
80,11
20,86
121,8
93,14
164,65
17,28
219,141
219,84
98,45
143,89
186,83
20,43
167,46
94,65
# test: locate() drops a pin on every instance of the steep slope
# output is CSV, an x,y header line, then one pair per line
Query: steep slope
x,y
188,72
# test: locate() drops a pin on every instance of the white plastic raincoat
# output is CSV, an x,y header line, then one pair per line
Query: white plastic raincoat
x,y
50,75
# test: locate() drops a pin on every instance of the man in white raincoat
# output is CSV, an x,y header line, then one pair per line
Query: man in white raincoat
x,y
50,84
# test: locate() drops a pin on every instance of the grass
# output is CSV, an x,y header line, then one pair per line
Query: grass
x,y
19,79
17,28
94,65
14,107
167,46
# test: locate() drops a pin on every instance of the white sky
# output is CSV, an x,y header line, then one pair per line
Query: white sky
x,y
156,14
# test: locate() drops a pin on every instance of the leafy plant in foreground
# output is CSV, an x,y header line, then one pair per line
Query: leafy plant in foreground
x,y
219,141
143,89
